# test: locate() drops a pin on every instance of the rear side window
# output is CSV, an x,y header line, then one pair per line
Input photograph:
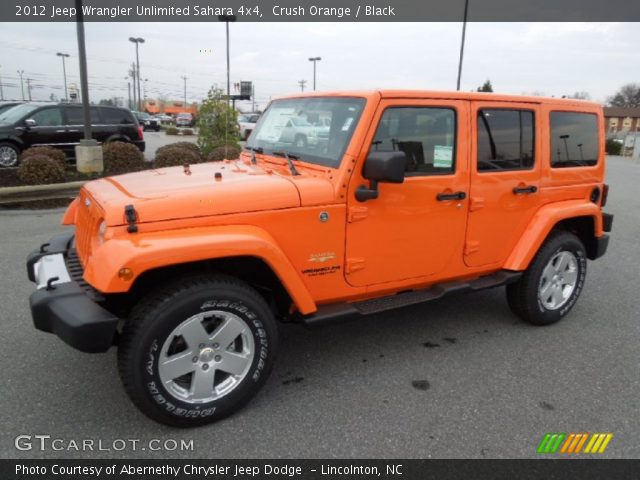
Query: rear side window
x,y
48,117
116,116
425,134
574,139
505,140
75,116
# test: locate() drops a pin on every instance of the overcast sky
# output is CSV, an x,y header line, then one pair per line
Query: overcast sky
x,y
551,58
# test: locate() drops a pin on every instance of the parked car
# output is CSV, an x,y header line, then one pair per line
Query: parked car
x,y
61,126
246,124
4,106
147,121
164,118
185,120
416,195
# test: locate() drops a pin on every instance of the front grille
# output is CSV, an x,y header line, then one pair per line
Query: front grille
x,y
76,272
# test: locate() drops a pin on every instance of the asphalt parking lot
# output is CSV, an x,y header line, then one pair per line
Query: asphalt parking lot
x,y
155,140
457,378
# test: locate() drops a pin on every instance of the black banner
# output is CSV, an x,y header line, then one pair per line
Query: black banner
x,y
318,469
322,11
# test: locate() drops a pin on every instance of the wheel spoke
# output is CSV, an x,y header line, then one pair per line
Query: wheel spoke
x,y
557,296
194,333
563,261
178,365
234,363
570,277
549,271
545,293
227,332
202,383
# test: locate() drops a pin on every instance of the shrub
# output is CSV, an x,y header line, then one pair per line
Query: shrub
x,y
612,147
188,145
187,131
171,131
217,122
40,170
121,157
53,153
172,157
221,153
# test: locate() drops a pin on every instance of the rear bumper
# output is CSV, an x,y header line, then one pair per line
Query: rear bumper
x,y
140,144
64,307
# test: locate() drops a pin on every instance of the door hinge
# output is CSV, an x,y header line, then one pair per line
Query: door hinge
x,y
471,246
357,213
354,264
476,203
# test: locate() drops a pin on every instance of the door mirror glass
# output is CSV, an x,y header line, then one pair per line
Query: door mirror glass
x,y
387,167
30,122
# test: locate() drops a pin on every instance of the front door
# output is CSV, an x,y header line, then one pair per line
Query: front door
x,y
48,130
505,178
414,229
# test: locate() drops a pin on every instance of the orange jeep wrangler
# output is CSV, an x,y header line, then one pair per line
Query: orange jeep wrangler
x,y
341,204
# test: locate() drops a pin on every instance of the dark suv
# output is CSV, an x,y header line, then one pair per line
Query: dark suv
x,y
147,121
61,126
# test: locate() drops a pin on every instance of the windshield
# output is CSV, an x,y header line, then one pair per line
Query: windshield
x,y
143,116
16,113
315,129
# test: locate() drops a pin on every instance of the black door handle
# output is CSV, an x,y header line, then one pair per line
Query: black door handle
x,y
443,197
527,189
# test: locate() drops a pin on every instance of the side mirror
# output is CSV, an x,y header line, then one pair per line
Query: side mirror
x,y
30,122
386,167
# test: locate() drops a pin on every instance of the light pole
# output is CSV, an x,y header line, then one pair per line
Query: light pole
x,y
1,91
184,77
129,92
464,32
227,19
137,41
314,60
64,72
21,72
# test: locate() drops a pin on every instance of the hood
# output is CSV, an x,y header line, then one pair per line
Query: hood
x,y
169,193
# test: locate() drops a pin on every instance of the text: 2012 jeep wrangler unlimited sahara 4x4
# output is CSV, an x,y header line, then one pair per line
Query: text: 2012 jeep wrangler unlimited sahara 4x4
x,y
393,198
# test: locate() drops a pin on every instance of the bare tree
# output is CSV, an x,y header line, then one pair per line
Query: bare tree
x,y
582,95
627,96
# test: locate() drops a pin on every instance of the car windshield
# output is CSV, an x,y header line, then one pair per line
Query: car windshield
x,y
314,129
143,116
16,113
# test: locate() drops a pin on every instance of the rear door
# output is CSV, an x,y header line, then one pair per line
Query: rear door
x,y
505,179
74,118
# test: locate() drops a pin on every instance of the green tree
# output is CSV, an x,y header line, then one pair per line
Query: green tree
x,y
627,96
486,87
217,123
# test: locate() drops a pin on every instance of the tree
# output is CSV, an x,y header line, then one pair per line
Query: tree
x,y
486,87
107,101
627,96
581,95
217,123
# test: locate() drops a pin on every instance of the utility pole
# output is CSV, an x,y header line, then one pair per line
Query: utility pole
x,y
464,32
184,77
1,91
144,89
137,41
302,84
64,72
21,72
253,97
29,88
132,73
227,19
314,60
129,91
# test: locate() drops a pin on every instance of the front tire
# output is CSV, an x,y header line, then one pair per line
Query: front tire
x,y
551,285
197,351
9,154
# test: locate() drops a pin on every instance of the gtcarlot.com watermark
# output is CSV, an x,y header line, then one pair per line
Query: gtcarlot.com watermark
x,y
48,443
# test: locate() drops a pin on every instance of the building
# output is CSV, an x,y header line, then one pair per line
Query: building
x,y
170,107
621,120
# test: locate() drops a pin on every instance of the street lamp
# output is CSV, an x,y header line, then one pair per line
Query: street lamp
x,y
464,33
227,19
137,41
314,60
64,72
184,77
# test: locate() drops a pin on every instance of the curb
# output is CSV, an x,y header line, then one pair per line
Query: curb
x,y
39,192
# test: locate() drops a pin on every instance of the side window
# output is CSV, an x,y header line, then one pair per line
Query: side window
x,y
75,116
574,139
505,140
115,116
427,135
48,117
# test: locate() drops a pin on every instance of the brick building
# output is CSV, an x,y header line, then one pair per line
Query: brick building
x,y
621,119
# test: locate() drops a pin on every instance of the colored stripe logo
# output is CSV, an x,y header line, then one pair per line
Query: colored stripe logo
x,y
573,443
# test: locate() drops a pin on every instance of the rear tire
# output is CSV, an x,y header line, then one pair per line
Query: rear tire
x,y
550,287
198,350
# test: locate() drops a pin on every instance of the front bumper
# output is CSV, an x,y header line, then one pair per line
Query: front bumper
x,y
63,306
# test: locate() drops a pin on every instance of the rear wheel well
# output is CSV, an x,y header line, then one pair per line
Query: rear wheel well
x,y
252,270
584,229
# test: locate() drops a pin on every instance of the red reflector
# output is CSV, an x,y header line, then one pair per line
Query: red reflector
x,y
605,194
140,134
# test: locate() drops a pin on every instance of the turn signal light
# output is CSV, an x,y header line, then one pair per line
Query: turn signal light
x,y
125,274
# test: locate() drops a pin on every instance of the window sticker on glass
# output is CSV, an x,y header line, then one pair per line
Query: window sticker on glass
x,y
442,156
274,124
347,123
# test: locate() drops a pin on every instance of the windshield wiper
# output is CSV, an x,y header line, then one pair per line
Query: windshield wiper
x,y
289,158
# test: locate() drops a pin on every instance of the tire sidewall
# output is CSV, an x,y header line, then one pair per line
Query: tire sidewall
x,y
16,149
150,342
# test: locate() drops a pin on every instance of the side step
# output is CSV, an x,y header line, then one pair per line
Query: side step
x,y
337,311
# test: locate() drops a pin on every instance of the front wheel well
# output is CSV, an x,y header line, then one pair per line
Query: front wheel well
x,y
251,270
583,228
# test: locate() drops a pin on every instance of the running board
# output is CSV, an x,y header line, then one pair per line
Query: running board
x,y
337,311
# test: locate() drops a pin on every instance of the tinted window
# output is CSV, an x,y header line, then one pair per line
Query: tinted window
x,y
505,140
115,116
48,117
426,134
75,116
574,139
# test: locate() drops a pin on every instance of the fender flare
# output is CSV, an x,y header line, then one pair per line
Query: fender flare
x,y
142,252
541,225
